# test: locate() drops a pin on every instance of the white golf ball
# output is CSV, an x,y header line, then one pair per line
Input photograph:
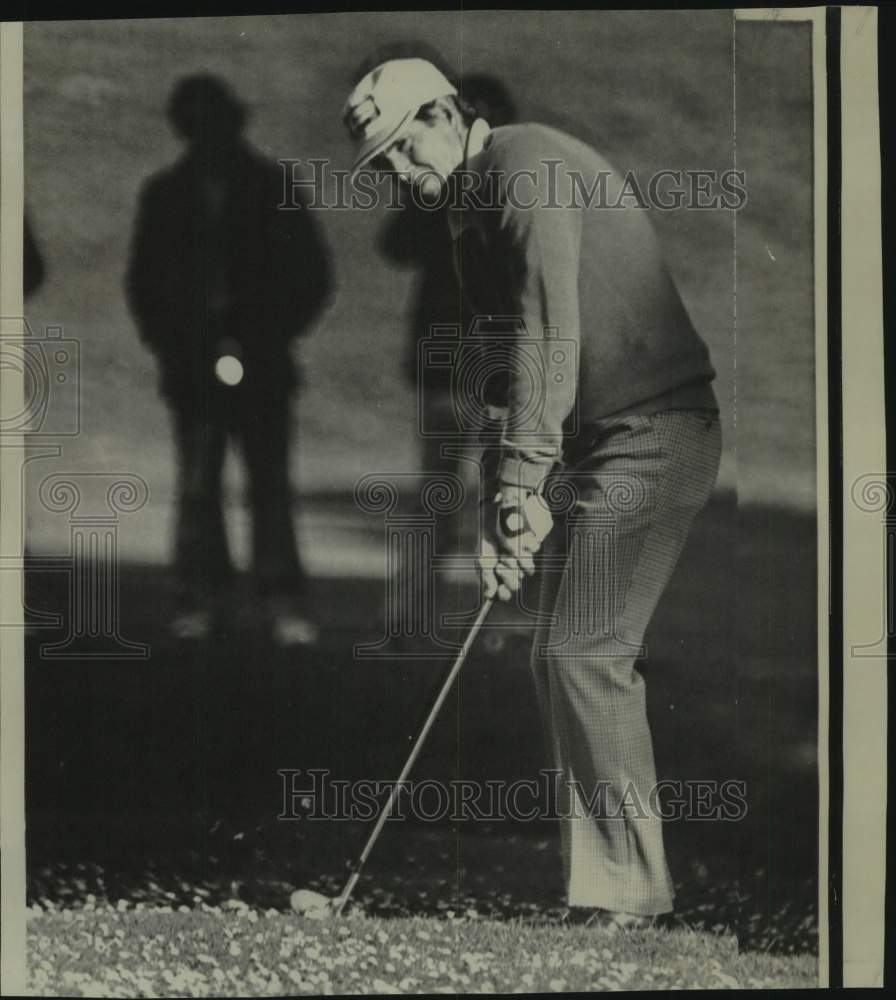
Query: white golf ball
x,y
229,370
309,903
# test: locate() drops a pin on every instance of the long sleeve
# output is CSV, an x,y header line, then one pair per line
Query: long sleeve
x,y
592,273
537,256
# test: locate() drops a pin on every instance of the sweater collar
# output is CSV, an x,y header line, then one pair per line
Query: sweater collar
x,y
476,137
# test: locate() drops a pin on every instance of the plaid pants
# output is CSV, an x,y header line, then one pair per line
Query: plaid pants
x,y
630,501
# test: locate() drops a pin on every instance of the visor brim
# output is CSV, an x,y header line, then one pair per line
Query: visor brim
x,y
374,146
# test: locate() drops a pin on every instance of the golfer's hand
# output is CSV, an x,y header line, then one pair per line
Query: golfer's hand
x,y
523,521
500,575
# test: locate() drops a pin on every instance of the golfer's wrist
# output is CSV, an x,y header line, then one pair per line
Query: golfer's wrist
x,y
522,474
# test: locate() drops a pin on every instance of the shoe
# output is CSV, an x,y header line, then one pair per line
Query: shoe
x,y
191,625
294,630
612,922
609,922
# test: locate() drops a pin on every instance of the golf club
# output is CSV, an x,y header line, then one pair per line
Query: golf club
x,y
306,901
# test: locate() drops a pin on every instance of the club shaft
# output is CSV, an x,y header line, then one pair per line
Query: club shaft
x,y
415,751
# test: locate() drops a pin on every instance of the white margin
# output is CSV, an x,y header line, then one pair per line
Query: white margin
x,y
864,455
12,675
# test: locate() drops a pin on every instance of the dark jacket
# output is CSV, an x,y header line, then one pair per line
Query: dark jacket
x,y
214,257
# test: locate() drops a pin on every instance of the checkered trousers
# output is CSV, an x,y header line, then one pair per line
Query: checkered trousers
x,y
629,501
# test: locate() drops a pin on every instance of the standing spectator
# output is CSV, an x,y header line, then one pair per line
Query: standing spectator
x,y
33,270
221,282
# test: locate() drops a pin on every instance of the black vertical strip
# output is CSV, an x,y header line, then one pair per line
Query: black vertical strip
x,y
835,444
886,82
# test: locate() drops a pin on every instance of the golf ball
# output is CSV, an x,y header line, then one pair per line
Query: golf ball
x,y
309,903
229,370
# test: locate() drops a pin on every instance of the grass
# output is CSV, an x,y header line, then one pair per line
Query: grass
x,y
234,950
500,871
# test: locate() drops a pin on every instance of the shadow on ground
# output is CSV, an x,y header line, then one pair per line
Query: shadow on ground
x,y
157,779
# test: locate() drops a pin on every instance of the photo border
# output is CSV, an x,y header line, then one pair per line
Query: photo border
x,y
864,691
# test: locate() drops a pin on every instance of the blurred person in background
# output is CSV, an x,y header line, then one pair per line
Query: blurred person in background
x,y
33,274
220,283
33,270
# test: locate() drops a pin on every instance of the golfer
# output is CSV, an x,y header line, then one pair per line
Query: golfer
x,y
624,421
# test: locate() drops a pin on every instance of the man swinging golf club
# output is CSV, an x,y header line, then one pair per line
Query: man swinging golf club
x,y
627,420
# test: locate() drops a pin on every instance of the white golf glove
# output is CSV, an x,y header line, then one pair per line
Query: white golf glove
x,y
517,521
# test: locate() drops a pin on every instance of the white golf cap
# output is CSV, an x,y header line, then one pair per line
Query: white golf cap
x,y
386,100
